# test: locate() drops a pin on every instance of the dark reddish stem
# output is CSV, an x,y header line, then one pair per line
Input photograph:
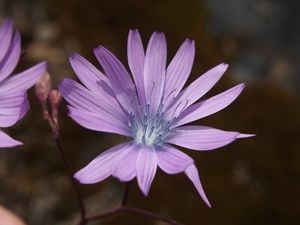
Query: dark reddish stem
x,y
53,123
125,194
75,186
132,210
124,208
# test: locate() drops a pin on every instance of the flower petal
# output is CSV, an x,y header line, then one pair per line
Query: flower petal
x,y
136,61
179,70
7,142
154,70
97,122
82,98
12,109
119,78
124,166
90,76
24,80
100,168
11,103
6,32
11,58
209,106
201,138
193,175
146,166
171,160
196,90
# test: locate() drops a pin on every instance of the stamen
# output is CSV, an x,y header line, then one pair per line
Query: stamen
x,y
170,95
151,130
163,126
147,109
157,139
143,139
133,122
167,128
187,101
158,121
182,109
160,107
176,108
152,90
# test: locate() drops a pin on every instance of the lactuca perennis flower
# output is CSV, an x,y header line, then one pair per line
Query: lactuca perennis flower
x,y
152,111
13,97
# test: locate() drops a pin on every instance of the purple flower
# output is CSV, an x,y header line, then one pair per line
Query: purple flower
x,y
151,111
13,98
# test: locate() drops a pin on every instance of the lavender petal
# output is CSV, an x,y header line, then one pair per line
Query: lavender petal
x,y
209,106
154,70
100,167
196,89
179,70
171,160
193,175
7,142
146,166
136,61
202,138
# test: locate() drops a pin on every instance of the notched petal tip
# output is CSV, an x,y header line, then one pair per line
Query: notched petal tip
x,y
189,41
17,143
134,31
242,85
101,52
159,35
17,36
246,135
8,142
145,192
239,88
74,56
42,66
7,23
80,176
100,49
224,66
80,179
192,42
193,175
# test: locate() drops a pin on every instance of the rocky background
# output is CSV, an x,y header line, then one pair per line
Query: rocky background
x,y
252,181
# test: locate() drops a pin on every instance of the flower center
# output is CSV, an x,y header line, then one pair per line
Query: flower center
x,y
149,130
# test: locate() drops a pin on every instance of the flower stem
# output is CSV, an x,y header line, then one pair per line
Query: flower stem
x,y
73,181
53,123
124,208
125,194
132,210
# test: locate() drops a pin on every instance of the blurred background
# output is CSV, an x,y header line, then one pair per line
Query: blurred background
x,y
252,181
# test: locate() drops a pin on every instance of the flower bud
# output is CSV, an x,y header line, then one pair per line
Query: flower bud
x,y
43,87
54,99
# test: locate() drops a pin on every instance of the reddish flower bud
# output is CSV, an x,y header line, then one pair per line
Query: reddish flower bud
x,y
54,99
43,87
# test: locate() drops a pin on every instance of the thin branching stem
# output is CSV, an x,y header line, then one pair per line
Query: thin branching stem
x,y
132,210
55,132
73,181
125,194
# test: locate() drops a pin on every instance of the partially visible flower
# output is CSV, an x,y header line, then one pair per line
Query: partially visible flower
x,y
152,111
13,97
